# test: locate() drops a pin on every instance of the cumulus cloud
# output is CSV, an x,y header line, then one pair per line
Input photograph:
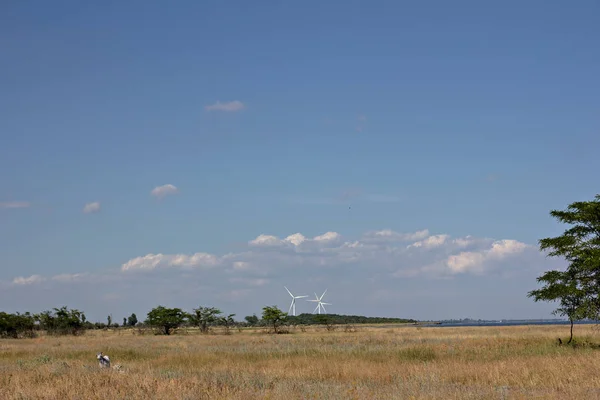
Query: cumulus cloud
x,y
30,280
164,190
296,240
184,261
267,240
417,263
15,204
230,106
91,207
385,252
474,261
431,241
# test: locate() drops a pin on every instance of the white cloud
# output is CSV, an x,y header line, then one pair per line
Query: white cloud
x,y
240,265
431,241
155,261
91,207
164,190
503,248
265,240
414,264
383,254
15,204
327,237
296,239
31,280
474,261
230,106
463,242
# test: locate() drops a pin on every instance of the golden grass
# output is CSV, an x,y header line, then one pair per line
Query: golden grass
x,y
374,363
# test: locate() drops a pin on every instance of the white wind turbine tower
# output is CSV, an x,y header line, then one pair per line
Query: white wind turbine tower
x,y
320,304
293,305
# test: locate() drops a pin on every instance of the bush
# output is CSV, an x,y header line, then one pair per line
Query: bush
x,y
16,325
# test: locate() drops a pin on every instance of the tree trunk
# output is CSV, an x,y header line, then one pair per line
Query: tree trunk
x,y
571,338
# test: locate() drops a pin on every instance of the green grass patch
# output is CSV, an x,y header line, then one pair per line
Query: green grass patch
x,y
422,354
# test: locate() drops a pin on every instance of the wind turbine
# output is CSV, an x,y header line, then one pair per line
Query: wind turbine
x,y
320,304
293,305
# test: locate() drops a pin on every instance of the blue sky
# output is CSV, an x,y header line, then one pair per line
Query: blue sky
x,y
462,119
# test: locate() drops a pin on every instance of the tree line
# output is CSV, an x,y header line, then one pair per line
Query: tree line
x,y
164,320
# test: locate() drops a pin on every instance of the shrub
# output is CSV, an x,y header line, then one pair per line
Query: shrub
x,y
16,325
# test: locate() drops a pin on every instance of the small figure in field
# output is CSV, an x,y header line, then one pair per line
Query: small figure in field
x,y
559,341
103,360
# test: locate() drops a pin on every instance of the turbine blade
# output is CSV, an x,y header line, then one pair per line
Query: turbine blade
x,y
323,307
288,290
324,293
315,310
300,297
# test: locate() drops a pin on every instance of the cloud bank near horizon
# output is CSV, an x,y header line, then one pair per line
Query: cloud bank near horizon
x,y
384,252
391,264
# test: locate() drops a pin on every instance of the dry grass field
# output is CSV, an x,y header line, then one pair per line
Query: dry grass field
x,y
401,362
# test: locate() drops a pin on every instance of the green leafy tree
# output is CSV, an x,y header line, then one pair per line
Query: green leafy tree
x,y
132,320
124,321
251,320
109,321
62,321
204,317
227,321
274,317
577,289
166,319
559,286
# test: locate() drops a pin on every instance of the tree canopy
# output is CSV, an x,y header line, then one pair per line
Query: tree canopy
x,y
274,317
577,289
132,320
204,317
166,319
62,321
16,325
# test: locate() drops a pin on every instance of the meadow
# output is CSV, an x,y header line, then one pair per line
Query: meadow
x,y
391,362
